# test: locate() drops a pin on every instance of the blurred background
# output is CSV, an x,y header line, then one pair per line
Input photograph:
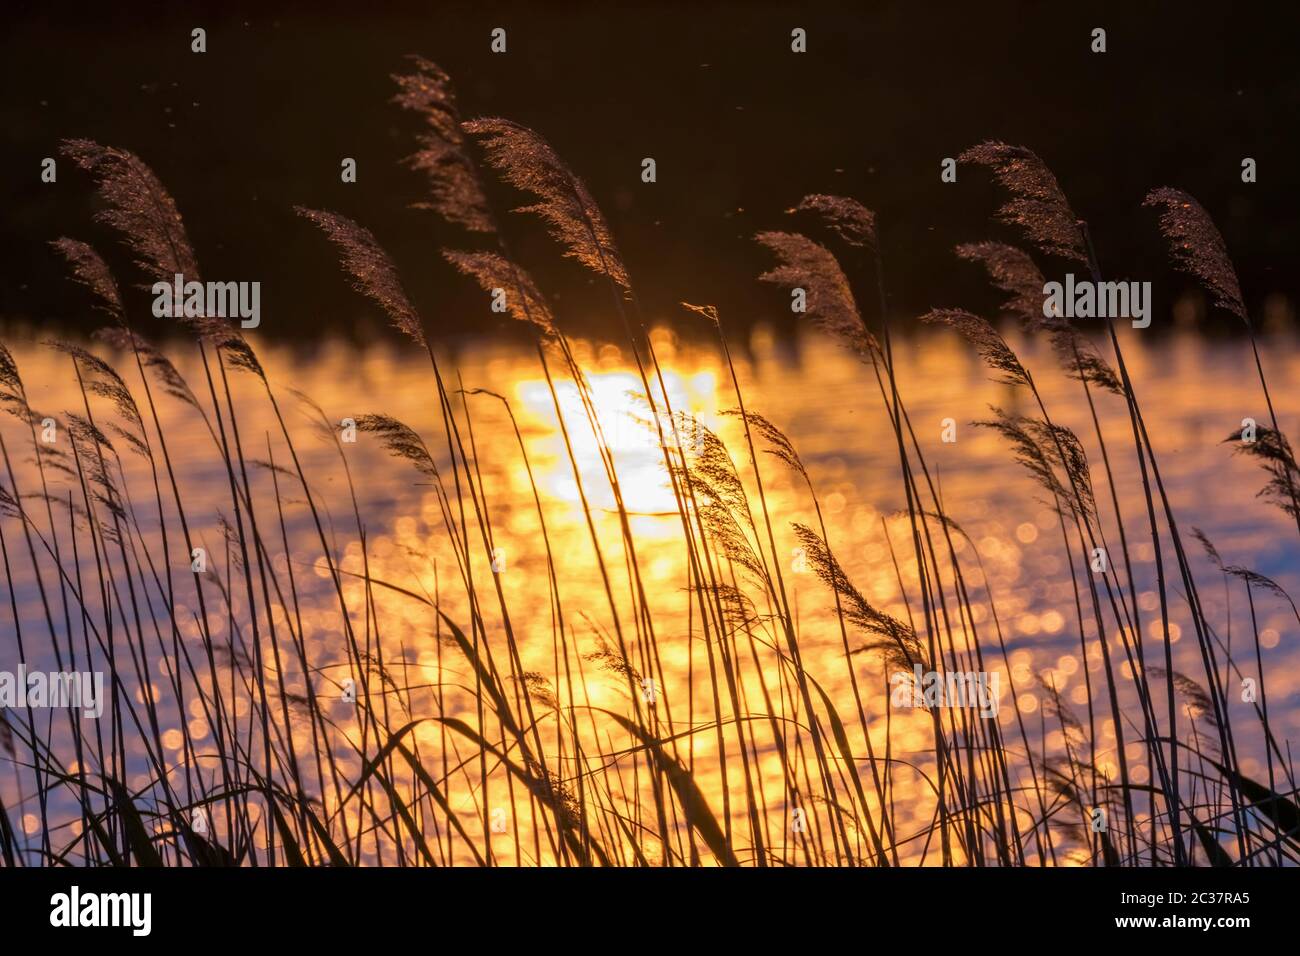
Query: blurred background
x,y
739,126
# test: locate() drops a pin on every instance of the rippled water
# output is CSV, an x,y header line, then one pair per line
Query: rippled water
x,y
1193,394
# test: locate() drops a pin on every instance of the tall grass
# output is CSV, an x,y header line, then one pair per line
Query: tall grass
x,y
750,760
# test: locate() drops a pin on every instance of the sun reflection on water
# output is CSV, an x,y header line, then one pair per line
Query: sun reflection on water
x,y
824,401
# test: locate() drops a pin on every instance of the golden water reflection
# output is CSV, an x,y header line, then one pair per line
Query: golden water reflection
x,y
829,405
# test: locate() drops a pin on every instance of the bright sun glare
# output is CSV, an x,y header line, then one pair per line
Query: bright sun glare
x,y
628,427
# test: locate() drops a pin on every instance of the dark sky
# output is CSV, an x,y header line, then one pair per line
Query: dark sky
x,y
739,126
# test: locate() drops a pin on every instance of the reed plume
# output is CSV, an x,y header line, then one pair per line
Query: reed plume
x,y
90,270
1044,447
847,218
808,265
151,357
494,271
100,378
401,440
1195,697
1012,271
13,396
371,270
139,208
990,345
527,162
1037,204
1197,247
779,445
1275,456
896,641
442,154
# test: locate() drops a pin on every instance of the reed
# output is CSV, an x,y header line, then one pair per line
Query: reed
x,y
249,724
